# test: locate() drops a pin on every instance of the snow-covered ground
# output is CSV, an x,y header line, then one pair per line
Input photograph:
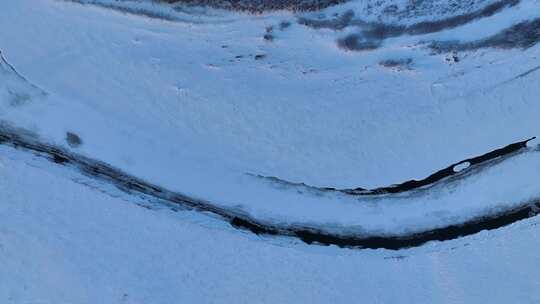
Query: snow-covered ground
x,y
64,242
201,101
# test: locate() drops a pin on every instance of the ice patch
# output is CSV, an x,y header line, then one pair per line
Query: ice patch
x,y
461,167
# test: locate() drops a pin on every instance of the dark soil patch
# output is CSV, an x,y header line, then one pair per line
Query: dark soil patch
x,y
269,36
404,63
357,42
284,25
73,139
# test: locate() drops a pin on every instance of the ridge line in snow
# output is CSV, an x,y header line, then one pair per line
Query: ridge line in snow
x,y
22,139
457,169
3,61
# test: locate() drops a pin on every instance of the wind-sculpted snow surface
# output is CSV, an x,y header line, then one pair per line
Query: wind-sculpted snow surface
x,y
407,11
167,106
380,30
370,34
523,35
151,9
332,119
484,218
96,246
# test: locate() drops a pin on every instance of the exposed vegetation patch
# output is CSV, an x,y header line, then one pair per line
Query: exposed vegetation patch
x,y
384,30
283,25
121,7
400,64
358,42
269,34
338,23
259,6
372,34
397,9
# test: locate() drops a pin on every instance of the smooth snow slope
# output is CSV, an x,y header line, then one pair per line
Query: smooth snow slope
x,y
163,101
198,101
410,233
307,112
62,241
